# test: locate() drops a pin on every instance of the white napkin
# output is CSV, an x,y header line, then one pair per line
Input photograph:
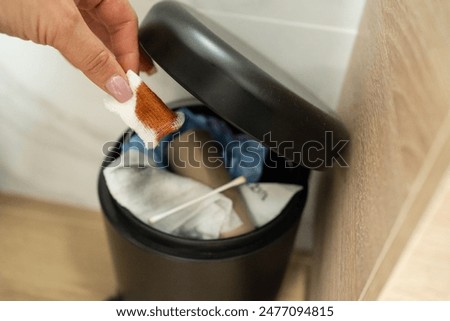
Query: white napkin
x,y
146,190
265,201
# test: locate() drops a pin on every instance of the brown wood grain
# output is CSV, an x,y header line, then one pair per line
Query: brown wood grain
x,y
395,102
52,252
57,252
423,270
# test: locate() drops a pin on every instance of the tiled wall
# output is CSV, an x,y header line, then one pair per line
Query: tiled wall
x,y
311,40
53,123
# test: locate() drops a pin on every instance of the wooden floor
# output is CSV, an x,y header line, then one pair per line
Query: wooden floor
x,y
423,270
56,252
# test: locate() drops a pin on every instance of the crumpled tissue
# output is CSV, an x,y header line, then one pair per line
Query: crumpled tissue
x,y
147,190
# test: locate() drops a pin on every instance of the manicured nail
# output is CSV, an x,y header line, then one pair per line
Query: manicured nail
x,y
119,88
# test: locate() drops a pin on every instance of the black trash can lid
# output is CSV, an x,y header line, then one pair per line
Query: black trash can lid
x,y
181,41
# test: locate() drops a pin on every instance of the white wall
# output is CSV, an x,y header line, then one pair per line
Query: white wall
x,y
53,123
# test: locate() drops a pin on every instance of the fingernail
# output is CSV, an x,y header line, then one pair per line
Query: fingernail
x,y
119,88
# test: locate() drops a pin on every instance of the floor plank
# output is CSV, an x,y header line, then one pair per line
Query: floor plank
x,y
52,252
423,270
57,252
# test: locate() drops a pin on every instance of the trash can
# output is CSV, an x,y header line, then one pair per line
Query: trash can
x,y
153,265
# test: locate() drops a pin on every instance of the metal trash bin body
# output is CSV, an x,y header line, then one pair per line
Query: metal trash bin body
x,y
152,265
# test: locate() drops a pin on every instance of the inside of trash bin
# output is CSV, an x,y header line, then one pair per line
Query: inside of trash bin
x,y
274,170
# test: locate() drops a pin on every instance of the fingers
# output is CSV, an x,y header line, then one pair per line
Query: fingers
x,y
88,53
121,22
97,27
61,25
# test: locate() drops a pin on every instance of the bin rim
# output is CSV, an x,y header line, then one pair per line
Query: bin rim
x,y
149,238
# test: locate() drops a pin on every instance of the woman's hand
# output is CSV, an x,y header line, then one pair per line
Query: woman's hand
x,y
99,37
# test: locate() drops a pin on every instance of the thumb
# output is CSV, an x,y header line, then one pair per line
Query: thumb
x,y
85,51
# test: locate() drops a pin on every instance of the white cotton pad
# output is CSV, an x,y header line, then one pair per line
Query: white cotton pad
x,y
145,112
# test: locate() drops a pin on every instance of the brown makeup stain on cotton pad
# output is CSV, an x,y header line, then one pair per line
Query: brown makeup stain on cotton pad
x,y
154,114
145,112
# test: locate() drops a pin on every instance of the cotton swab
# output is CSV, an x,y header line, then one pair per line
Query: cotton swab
x,y
195,145
235,182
